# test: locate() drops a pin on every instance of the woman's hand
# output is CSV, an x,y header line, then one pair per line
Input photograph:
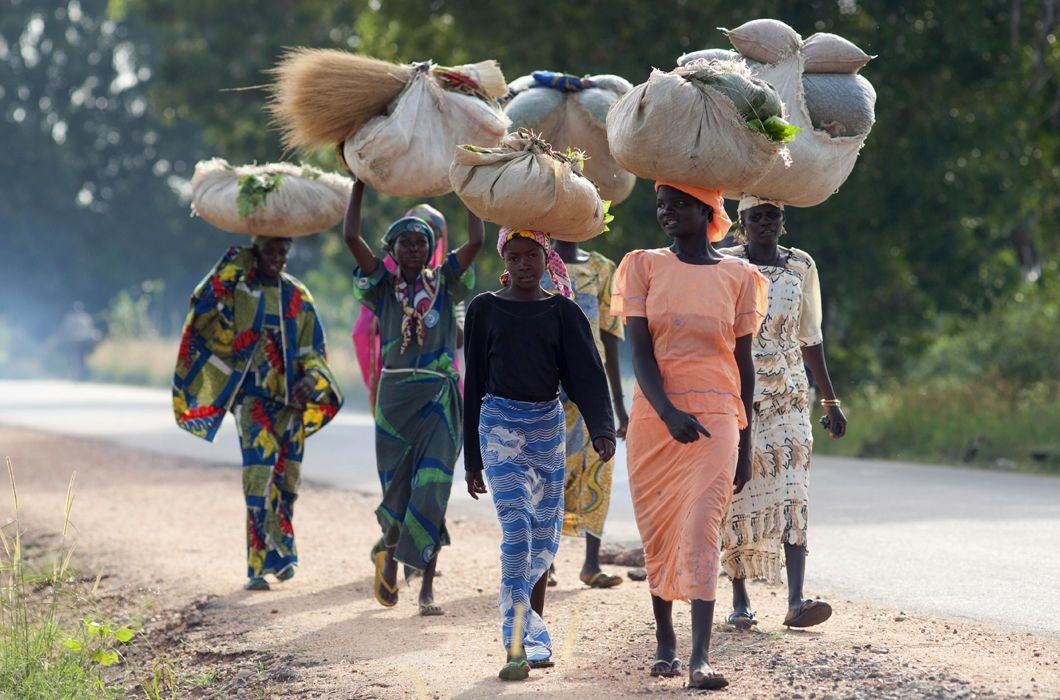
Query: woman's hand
x,y
301,391
743,472
837,422
605,447
683,427
622,417
475,484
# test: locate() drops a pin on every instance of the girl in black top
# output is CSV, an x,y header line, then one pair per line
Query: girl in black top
x,y
520,343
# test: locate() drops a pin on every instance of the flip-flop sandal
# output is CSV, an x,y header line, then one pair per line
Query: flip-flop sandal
x,y
515,670
706,680
430,609
742,620
256,583
286,573
380,582
601,580
666,669
542,663
810,613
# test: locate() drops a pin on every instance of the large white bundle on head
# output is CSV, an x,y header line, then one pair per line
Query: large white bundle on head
x,y
576,119
274,199
407,152
524,184
822,94
679,129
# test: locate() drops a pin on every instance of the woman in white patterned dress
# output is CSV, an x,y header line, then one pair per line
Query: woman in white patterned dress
x,y
766,523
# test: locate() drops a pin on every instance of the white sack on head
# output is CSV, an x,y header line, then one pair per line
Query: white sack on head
x,y
834,111
765,40
275,199
524,184
830,53
681,130
408,151
577,120
842,104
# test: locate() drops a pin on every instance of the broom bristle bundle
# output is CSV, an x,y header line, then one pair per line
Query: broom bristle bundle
x,y
319,97
488,75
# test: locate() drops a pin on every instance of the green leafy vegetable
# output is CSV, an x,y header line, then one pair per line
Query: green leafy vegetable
x,y
775,129
253,190
608,216
311,173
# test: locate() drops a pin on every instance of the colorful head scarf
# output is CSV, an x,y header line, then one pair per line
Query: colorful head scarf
x,y
557,270
441,230
749,201
720,223
408,224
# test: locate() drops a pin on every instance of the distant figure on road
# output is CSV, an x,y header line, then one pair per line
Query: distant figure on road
x,y
78,337
691,314
522,342
252,343
767,521
418,409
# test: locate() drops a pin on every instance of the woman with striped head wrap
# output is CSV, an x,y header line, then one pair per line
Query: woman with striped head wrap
x,y
522,341
418,407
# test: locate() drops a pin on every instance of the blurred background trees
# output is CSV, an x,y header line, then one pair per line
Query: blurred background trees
x,y
940,241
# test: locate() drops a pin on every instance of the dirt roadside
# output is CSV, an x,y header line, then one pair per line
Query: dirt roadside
x,y
167,536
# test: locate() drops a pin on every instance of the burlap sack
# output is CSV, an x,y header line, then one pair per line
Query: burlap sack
x,y
577,120
679,130
407,153
842,104
765,40
305,201
830,53
820,163
520,184
713,55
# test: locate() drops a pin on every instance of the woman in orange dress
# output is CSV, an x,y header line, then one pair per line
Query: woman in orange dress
x,y
690,314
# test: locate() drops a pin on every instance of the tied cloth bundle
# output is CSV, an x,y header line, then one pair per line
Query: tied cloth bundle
x,y
416,300
720,223
557,270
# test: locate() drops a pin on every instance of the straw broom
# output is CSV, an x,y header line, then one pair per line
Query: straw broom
x,y
319,97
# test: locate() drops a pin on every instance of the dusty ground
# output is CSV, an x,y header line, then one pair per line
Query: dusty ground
x,y
166,534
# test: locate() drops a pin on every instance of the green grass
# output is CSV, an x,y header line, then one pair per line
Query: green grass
x,y
953,422
51,644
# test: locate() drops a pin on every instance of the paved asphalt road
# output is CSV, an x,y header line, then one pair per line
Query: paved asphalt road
x,y
977,544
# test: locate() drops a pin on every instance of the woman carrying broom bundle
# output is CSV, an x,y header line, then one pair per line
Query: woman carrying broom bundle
x,y
522,342
418,411
690,313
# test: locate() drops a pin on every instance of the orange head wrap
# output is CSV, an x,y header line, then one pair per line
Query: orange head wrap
x,y
720,223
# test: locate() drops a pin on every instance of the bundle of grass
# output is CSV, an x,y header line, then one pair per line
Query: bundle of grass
x,y
319,97
275,199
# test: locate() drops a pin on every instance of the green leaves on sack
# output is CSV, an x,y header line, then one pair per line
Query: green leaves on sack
x,y
775,129
253,189
576,157
608,216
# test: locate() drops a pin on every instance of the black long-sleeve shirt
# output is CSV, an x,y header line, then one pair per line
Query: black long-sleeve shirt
x,y
522,350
